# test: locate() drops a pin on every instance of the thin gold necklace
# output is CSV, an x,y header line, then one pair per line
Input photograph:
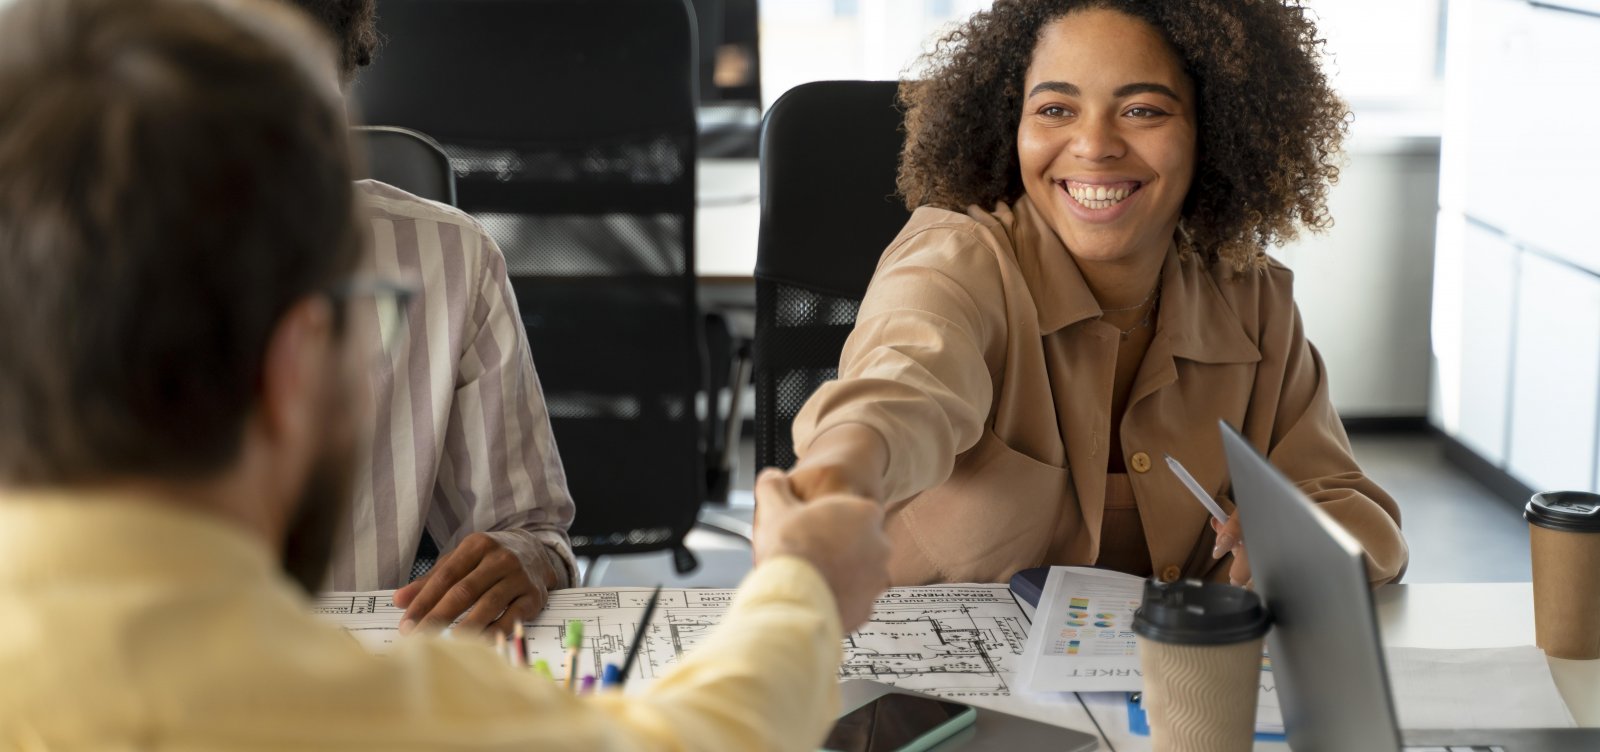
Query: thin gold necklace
x,y
1151,299
1137,305
1155,300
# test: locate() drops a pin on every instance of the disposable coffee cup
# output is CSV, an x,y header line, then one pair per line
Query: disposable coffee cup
x,y
1564,533
1200,651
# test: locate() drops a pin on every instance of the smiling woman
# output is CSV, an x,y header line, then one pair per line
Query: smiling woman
x,y
1083,287
1106,152
1264,158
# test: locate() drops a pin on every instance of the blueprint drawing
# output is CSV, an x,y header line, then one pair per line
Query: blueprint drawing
x,y
947,640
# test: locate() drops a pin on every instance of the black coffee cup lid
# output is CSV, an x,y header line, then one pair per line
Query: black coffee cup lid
x,y
1191,612
1568,511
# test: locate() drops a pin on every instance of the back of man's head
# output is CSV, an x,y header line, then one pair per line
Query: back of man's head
x,y
174,176
353,24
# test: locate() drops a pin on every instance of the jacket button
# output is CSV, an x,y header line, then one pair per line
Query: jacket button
x,y
1140,462
1171,573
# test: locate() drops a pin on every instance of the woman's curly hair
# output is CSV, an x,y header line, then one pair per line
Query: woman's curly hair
x,y
1269,125
354,26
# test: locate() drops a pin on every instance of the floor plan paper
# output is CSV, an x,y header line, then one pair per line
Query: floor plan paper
x,y
962,642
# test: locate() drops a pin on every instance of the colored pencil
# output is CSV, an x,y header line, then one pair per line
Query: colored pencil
x,y
574,645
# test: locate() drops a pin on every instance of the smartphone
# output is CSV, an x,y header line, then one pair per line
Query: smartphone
x,y
899,723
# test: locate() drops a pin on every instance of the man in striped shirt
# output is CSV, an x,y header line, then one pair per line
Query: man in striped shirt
x,y
462,448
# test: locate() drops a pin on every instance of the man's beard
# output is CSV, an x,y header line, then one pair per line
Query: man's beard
x,y
308,547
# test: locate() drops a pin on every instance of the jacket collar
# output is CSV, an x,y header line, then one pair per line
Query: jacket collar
x,y
1195,319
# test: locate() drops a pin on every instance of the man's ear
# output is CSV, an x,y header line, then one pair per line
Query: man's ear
x,y
294,372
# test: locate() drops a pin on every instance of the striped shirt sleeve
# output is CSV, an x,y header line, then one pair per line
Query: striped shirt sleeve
x,y
462,440
503,459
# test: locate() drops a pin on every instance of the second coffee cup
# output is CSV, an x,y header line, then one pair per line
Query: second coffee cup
x,y
1564,534
1200,651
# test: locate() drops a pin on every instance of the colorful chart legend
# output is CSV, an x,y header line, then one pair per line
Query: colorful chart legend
x,y
1085,638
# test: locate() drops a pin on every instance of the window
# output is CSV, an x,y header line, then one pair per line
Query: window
x,y
1384,53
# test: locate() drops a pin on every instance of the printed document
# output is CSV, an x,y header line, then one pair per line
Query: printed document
x,y
1082,638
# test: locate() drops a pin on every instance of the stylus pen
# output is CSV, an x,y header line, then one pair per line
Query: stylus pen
x,y
639,637
1194,487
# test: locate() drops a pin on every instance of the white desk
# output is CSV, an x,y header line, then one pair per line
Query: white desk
x,y
1482,616
727,220
1435,616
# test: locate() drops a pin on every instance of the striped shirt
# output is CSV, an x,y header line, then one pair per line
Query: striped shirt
x,y
462,442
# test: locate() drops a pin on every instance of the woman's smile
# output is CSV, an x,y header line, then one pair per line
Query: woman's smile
x,y
1097,201
1106,136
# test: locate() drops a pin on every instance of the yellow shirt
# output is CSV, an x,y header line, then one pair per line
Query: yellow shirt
x,y
980,358
131,625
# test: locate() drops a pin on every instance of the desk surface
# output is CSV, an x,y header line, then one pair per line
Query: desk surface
x,y
1455,616
728,220
1434,616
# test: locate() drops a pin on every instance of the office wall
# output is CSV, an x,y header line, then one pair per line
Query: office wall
x,y
1516,328
1364,287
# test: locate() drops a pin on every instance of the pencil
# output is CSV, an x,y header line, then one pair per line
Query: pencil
x,y
1196,489
500,646
639,636
573,642
519,647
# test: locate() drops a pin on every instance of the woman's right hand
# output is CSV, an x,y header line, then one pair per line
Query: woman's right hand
x,y
847,459
1230,539
817,480
841,535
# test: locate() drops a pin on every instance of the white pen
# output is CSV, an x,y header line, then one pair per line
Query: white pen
x,y
1195,488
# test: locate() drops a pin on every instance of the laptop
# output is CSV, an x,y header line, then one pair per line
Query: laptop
x,y
1326,652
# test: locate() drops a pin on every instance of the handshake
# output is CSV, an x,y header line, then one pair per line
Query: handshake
x,y
839,534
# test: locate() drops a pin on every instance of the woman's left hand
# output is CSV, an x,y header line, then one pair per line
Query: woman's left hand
x,y
1230,539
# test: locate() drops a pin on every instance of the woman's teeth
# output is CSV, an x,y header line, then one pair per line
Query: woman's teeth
x,y
1098,196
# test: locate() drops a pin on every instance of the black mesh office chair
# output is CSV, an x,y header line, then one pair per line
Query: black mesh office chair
x,y
829,154
571,128
407,160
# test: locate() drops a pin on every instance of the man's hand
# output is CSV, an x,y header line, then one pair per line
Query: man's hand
x,y
1230,539
480,574
842,536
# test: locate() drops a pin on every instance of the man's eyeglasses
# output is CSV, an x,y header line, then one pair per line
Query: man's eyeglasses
x,y
391,298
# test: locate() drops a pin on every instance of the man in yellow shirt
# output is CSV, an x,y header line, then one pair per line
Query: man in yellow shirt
x,y
181,382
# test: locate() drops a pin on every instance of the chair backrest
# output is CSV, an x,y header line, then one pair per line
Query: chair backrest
x,y
570,125
407,160
830,151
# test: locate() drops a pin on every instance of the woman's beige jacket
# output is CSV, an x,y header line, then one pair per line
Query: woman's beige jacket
x,y
979,356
